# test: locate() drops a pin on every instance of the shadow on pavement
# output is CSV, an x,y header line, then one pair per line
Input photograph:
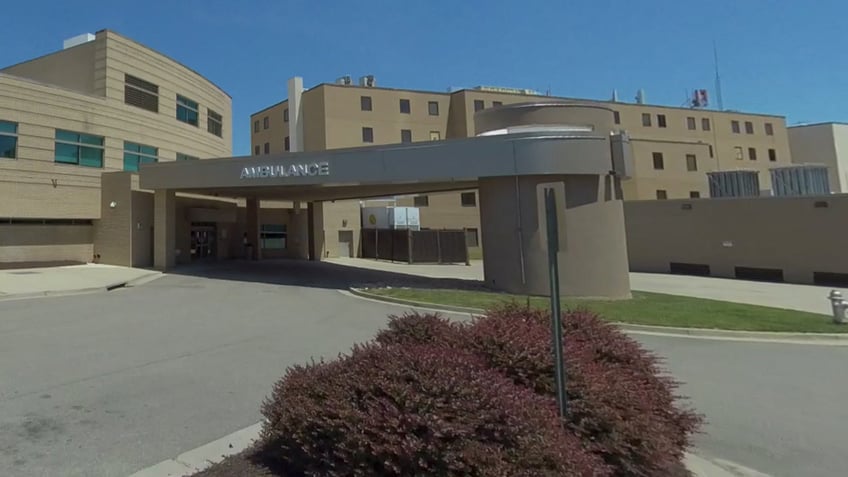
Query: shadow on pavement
x,y
317,275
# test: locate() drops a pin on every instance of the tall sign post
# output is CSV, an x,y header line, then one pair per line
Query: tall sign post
x,y
556,312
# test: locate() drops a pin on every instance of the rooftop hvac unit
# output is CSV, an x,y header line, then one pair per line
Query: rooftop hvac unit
x,y
800,180
368,81
734,183
344,80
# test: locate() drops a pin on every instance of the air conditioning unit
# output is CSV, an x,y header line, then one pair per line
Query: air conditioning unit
x,y
368,81
345,80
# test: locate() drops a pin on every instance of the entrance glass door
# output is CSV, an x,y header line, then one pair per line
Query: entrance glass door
x,y
203,244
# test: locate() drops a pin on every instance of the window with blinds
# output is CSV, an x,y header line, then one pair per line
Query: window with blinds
x,y
141,93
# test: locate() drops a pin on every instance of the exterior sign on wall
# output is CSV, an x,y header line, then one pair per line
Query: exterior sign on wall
x,y
291,170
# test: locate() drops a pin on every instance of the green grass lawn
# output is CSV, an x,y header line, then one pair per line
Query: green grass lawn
x,y
645,309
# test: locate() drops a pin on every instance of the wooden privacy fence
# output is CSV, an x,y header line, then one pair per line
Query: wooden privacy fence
x,y
415,246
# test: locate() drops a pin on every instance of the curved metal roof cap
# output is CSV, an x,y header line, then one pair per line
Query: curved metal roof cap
x,y
542,104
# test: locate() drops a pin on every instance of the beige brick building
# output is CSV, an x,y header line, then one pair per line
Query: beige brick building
x,y
674,147
103,103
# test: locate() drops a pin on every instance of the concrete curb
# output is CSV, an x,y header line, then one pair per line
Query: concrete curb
x,y
83,291
695,332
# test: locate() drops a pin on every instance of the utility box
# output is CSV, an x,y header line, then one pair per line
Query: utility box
x,y
391,218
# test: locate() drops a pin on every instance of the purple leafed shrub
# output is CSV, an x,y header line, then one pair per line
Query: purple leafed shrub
x,y
405,410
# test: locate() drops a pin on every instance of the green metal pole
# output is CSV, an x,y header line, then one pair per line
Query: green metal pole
x,y
556,312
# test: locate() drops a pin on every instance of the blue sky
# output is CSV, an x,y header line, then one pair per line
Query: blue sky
x,y
782,57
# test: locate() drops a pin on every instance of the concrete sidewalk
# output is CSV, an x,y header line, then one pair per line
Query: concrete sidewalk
x,y
808,298
68,280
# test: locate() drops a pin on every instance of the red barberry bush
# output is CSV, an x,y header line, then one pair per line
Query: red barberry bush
x,y
409,410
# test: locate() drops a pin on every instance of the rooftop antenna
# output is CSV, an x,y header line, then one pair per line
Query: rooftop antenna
x,y
717,79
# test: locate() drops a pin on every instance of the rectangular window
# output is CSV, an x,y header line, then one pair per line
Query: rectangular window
x,y
659,163
272,236
266,122
772,155
267,148
256,126
479,105
215,123
405,107
286,115
187,110
435,136
691,123
691,162
471,238
8,140
705,124
711,150
256,150
769,129
468,199
367,135
661,120
185,157
752,153
433,108
406,135
138,154
78,148
646,119
421,201
734,126
365,103
694,194
140,93
661,194
749,127
495,104
738,152
616,117
287,144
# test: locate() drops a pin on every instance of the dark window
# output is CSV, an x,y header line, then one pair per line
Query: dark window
x,y
267,148
405,107
661,120
479,105
138,154
471,238
272,236
365,103
187,111
691,123
769,129
367,135
661,194
215,123
711,150
186,157
8,140
256,126
705,124
495,104
77,148
693,194
734,126
421,201
772,155
616,117
140,93
831,279
646,119
759,274
752,153
266,122
691,162
287,144
433,108
406,135
658,161
749,127
286,115
468,199
699,269
256,150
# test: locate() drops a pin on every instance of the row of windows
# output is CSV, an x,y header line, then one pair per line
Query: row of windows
x,y
144,94
367,137
466,199
662,194
404,105
480,105
81,149
692,123
692,160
